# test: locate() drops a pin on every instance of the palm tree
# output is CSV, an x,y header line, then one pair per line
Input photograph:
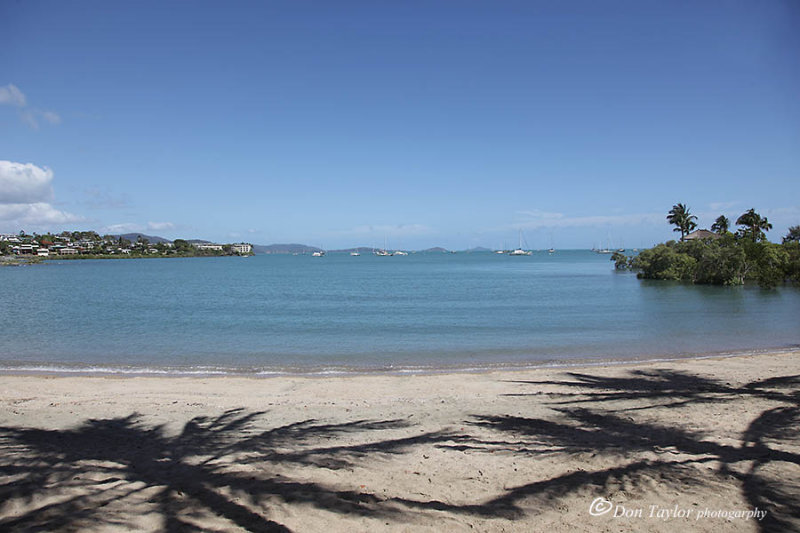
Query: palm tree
x,y
721,225
755,225
793,235
679,216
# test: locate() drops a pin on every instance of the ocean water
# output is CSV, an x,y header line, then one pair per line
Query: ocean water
x,y
423,312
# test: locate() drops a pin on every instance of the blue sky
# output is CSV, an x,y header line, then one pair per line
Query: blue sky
x,y
429,123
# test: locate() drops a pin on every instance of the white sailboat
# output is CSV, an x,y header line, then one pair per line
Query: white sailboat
x,y
520,251
384,252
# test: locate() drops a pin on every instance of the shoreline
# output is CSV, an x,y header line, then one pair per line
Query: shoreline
x,y
526,450
210,371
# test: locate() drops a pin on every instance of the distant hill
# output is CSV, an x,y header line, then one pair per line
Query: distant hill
x,y
198,241
283,249
436,249
152,239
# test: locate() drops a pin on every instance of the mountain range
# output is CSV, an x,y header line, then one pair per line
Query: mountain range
x,y
292,248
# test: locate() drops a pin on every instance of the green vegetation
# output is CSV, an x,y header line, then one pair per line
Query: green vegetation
x,y
725,259
793,235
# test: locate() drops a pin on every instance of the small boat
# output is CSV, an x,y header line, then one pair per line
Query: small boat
x,y
318,253
384,252
520,251
354,253
551,251
398,252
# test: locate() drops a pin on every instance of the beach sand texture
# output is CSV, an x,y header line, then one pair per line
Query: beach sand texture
x,y
499,451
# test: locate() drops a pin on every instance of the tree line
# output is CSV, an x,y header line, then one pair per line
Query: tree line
x,y
721,258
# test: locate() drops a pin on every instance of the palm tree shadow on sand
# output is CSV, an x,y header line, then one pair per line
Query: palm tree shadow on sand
x,y
182,479
764,463
227,469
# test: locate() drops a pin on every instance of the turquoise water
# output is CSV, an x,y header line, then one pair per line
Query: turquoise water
x,y
286,313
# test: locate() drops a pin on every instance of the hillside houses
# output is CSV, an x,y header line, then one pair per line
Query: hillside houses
x,y
90,244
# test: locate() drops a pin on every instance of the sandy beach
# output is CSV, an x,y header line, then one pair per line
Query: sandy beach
x,y
692,445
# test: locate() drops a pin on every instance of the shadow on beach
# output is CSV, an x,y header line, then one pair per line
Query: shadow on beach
x,y
228,471
763,463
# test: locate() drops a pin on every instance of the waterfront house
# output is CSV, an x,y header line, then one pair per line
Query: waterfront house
x,y
241,248
701,234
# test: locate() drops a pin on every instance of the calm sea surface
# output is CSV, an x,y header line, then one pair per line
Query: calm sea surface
x,y
286,313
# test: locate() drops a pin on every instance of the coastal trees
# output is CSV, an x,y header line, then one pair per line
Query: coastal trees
x,y
793,235
620,260
728,259
753,225
664,262
680,217
721,225
181,246
792,267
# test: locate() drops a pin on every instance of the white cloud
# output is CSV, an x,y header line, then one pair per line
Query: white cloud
x,y
135,227
35,215
23,183
25,194
722,206
50,117
539,214
534,219
390,229
160,226
125,227
11,95
31,117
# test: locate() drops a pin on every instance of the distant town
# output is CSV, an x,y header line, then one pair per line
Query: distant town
x,y
89,244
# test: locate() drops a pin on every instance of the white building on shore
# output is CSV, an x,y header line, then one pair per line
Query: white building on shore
x,y
209,246
241,248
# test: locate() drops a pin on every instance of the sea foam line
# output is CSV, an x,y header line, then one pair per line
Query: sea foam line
x,y
233,371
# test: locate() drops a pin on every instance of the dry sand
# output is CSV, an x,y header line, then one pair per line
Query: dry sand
x,y
500,451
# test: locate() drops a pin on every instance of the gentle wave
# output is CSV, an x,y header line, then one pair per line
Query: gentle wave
x,y
260,372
